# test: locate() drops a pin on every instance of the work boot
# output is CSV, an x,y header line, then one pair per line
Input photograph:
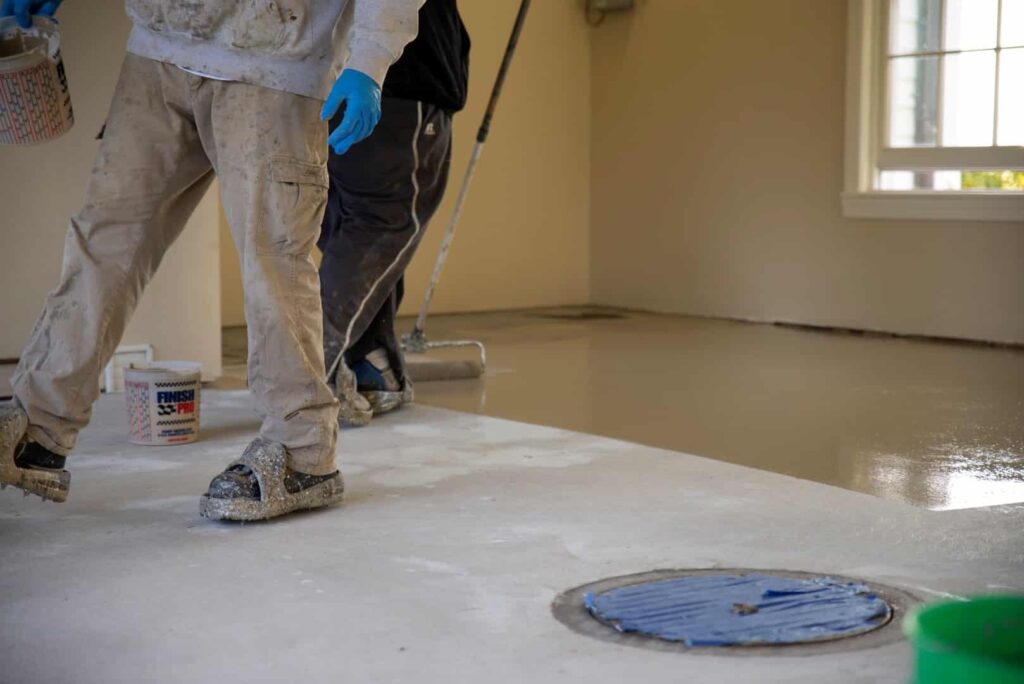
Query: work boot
x,y
27,465
353,408
376,381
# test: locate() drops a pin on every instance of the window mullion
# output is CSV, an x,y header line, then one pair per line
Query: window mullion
x,y
882,70
999,24
999,55
995,106
941,85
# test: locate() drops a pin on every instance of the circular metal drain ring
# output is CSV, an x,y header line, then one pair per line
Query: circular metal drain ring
x,y
568,609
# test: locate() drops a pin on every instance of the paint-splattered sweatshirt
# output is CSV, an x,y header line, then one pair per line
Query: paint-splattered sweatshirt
x,y
298,46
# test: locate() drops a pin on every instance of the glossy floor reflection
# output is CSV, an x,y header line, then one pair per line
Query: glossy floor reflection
x,y
938,425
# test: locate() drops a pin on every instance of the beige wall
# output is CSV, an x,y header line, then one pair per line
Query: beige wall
x,y
717,158
42,186
523,238
686,157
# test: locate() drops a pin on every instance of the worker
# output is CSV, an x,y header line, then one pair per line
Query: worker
x,y
243,91
383,194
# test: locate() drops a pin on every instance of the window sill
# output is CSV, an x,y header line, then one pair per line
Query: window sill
x,y
935,206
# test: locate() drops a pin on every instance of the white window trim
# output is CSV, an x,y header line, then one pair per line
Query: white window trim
x,y
866,62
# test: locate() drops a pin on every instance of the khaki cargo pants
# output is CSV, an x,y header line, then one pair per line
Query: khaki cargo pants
x,y
168,133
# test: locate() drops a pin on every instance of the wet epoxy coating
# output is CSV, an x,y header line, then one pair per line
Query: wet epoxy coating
x,y
939,425
457,533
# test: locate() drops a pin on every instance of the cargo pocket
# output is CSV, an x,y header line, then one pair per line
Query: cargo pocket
x,y
293,196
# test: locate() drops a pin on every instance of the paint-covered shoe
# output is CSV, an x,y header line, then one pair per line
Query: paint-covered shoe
x,y
260,485
377,382
27,465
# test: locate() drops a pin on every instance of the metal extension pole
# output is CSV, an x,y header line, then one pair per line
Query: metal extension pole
x,y
416,340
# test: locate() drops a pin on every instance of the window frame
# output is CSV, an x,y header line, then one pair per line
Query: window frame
x,y
867,102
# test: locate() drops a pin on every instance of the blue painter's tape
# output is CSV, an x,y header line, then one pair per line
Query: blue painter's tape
x,y
733,610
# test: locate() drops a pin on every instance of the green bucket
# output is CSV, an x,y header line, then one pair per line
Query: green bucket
x,y
980,640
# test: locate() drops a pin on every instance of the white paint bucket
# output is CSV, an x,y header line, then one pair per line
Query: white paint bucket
x,y
35,104
163,402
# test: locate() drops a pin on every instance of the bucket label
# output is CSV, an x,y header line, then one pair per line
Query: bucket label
x,y
62,77
35,101
182,402
34,105
163,411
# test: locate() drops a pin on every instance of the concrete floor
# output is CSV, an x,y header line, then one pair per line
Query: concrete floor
x,y
457,532
938,425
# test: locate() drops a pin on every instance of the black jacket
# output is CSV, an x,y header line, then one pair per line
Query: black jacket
x,y
435,66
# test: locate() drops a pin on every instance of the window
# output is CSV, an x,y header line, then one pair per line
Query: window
x,y
935,108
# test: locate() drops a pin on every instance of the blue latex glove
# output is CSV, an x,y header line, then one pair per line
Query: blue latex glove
x,y
24,9
361,96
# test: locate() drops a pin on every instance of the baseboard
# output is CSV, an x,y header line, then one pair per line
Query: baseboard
x,y
822,327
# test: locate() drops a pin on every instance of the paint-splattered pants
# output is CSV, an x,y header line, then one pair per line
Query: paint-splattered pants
x,y
383,192
168,133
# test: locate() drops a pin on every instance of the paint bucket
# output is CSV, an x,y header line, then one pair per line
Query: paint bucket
x,y
35,104
980,640
163,402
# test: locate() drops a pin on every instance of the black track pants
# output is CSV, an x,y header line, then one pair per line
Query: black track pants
x,y
382,194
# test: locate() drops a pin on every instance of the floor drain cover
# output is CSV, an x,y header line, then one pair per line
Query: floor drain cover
x,y
715,609
741,610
